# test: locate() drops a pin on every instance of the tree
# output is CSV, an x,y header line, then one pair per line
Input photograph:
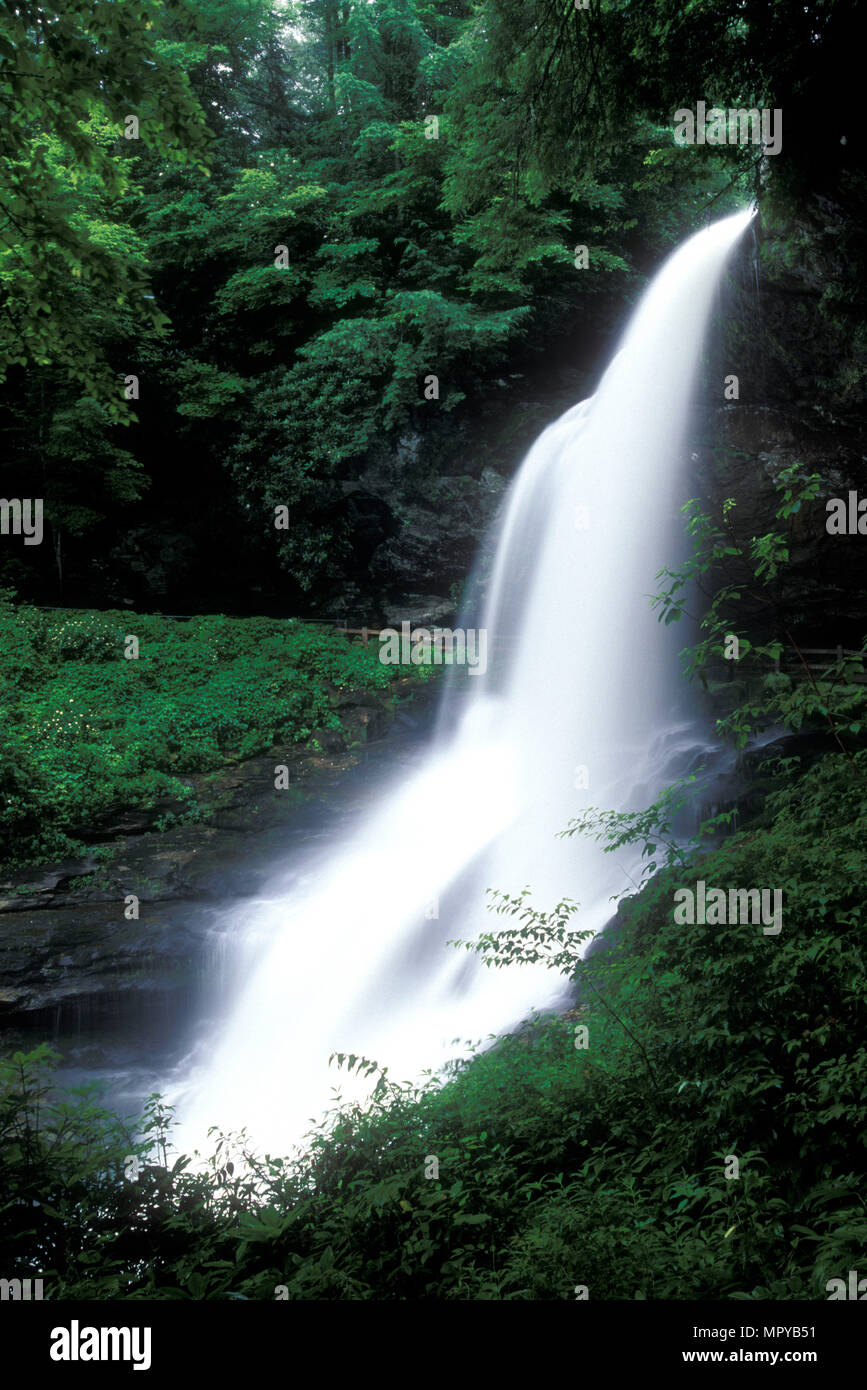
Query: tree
x,y
79,78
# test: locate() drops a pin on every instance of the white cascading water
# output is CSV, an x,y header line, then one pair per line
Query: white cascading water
x,y
354,962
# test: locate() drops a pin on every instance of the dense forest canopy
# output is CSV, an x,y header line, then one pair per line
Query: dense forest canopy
x,y
239,240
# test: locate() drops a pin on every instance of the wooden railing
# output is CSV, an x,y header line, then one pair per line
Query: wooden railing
x,y
790,663
365,633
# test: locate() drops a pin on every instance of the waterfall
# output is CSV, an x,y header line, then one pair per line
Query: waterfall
x,y
582,687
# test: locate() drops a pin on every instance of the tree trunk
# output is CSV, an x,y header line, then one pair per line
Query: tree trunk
x,y
330,45
55,535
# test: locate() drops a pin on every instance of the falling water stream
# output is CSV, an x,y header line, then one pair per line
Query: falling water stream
x,y
581,705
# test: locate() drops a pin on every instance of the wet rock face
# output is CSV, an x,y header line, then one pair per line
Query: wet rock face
x,y
370,521
796,322
74,949
758,442
362,715
419,610
70,935
436,545
52,961
133,918
433,551
416,547
802,373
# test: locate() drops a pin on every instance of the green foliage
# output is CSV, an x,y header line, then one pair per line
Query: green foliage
x,y
304,126
86,732
737,575
558,1165
652,828
71,74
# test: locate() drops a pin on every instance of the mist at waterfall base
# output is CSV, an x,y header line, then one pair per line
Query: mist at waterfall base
x,y
356,962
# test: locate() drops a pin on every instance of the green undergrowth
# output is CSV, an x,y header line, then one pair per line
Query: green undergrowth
x,y
86,731
540,1167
